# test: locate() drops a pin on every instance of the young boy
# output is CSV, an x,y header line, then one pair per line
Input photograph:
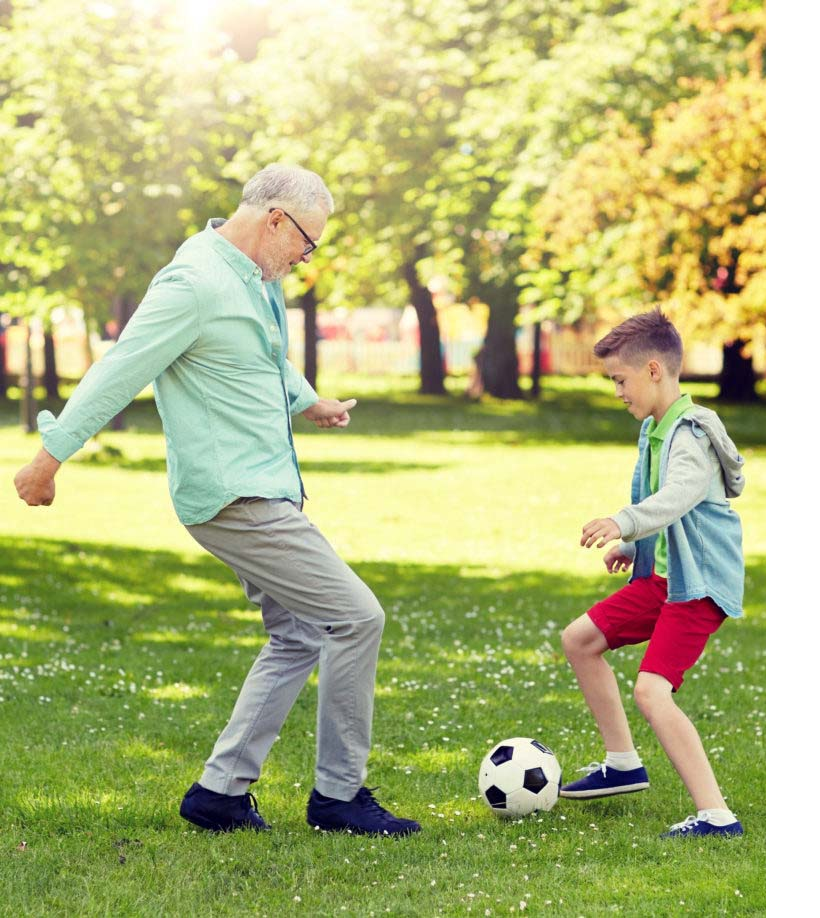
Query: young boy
x,y
685,544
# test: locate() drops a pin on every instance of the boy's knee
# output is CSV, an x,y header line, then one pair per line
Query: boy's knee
x,y
568,640
582,637
651,692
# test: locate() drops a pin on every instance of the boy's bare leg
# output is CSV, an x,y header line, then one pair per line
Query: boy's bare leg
x,y
584,646
680,740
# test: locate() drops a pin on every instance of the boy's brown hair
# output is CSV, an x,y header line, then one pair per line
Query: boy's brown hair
x,y
644,335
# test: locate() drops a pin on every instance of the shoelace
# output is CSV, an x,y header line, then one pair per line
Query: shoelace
x,y
592,767
369,802
686,825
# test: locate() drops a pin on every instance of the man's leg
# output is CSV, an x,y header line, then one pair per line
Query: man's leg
x,y
272,545
268,693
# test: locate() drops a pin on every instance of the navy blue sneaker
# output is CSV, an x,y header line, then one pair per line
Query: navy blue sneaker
x,y
693,826
360,816
221,812
601,781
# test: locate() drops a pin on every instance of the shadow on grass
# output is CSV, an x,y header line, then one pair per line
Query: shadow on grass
x,y
465,656
95,584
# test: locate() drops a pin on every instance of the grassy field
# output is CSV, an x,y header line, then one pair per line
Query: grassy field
x,y
123,645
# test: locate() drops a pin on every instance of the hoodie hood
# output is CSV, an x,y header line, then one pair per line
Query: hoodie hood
x,y
731,462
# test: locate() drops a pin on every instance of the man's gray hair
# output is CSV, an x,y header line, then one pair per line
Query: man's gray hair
x,y
290,187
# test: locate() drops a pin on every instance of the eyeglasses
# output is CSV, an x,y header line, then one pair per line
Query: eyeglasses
x,y
311,245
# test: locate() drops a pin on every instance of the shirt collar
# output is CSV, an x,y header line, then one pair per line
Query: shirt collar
x,y
245,267
659,430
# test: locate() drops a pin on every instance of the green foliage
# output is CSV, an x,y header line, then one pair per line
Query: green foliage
x,y
101,120
481,141
671,206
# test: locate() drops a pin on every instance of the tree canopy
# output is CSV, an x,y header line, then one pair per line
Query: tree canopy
x,y
588,157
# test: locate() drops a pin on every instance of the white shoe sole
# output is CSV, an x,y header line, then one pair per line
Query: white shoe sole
x,y
602,792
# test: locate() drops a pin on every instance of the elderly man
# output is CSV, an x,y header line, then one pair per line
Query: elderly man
x,y
211,333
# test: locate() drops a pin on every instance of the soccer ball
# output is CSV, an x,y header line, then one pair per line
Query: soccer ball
x,y
519,776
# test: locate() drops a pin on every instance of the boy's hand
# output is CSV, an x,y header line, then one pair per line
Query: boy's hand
x,y
600,531
616,561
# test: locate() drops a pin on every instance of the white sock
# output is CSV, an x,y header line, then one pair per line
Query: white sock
x,y
622,761
717,817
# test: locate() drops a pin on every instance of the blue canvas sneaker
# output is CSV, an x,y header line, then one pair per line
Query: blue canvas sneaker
x,y
221,812
693,826
361,816
601,781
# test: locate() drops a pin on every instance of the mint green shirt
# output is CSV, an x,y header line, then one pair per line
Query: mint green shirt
x,y
656,432
213,339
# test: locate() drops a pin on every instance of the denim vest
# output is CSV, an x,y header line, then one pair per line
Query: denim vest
x,y
705,545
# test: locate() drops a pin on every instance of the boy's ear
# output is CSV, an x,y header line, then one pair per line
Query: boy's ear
x,y
655,368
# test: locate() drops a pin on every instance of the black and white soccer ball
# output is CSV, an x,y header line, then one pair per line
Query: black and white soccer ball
x,y
519,776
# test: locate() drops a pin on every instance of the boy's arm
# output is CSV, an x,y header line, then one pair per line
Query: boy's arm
x,y
688,478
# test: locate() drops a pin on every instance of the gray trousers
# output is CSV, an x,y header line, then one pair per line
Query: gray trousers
x,y
316,610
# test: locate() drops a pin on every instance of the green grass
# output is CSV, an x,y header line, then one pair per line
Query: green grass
x,y
122,647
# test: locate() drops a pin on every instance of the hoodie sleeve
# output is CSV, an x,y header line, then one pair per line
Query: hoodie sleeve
x,y
692,465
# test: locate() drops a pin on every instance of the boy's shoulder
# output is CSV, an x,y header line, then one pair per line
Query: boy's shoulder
x,y
705,423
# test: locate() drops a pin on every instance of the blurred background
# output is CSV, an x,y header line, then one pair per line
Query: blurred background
x,y
511,178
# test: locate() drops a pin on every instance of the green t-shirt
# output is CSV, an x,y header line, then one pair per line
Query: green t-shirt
x,y
657,433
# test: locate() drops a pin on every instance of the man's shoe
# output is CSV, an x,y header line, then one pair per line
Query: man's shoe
x,y
360,816
692,826
221,812
604,782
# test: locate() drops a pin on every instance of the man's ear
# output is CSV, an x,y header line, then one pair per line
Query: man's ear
x,y
655,370
275,217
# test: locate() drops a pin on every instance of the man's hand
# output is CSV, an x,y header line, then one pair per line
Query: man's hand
x,y
330,412
600,531
616,561
35,481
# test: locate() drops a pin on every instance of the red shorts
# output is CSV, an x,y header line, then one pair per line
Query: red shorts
x,y
677,631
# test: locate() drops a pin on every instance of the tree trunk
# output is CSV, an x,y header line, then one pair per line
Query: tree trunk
x,y
50,378
311,338
500,358
28,406
535,389
432,365
737,376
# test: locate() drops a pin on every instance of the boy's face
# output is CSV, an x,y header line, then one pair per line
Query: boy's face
x,y
636,385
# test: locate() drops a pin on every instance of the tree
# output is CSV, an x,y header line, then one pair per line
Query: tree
x,y
675,214
98,141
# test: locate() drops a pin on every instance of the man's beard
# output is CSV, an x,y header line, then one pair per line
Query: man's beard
x,y
275,267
